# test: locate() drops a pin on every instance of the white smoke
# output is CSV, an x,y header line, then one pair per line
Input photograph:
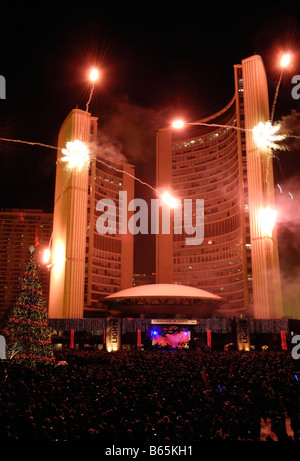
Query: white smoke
x,y
288,229
109,147
132,129
290,124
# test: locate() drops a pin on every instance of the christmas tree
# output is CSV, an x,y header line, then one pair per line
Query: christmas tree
x,y
26,329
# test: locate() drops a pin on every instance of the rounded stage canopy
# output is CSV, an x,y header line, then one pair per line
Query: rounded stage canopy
x,y
163,298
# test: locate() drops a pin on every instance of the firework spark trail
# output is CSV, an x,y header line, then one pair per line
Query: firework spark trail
x,y
234,127
118,170
30,143
124,172
264,134
59,148
34,143
90,97
266,137
94,75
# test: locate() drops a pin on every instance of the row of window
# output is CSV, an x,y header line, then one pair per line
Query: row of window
x,y
208,178
104,289
211,138
106,263
208,249
199,174
106,281
106,255
204,159
224,255
106,272
107,243
210,185
224,288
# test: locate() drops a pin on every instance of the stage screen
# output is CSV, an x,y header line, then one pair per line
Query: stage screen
x,y
172,337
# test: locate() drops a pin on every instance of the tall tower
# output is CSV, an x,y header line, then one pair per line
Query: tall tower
x,y
87,266
267,297
216,159
66,298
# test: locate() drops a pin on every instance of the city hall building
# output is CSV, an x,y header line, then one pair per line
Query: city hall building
x,y
215,159
222,292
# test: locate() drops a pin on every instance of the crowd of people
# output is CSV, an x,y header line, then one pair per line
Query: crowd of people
x,y
151,397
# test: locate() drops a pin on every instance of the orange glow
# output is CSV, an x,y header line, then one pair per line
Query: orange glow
x,y
169,200
178,124
94,75
76,155
266,137
46,256
285,60
267,221
59,258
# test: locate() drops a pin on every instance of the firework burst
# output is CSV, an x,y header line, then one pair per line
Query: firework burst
x,y
76,155
267,137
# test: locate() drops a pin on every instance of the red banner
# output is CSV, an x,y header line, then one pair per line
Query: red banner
x,y
139,338
283,340
72,339
209,338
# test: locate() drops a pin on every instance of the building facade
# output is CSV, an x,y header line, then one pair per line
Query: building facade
x,y
20,229
109,257
216,160
87,265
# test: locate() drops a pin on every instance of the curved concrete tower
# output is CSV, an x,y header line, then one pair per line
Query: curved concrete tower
x,y
66,299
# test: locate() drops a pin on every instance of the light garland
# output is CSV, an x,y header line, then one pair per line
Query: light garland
x,y
27,338
31,322
28,306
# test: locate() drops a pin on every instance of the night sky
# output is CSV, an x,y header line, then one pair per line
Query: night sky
x,y
157,61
